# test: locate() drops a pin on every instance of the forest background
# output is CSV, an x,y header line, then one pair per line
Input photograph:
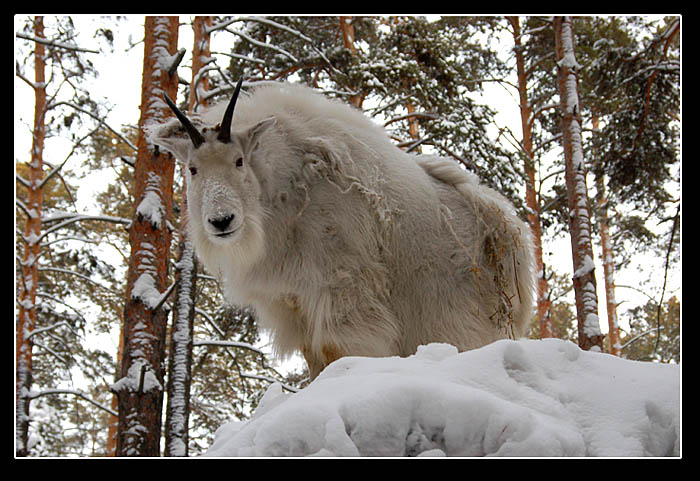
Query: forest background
x,y
449,85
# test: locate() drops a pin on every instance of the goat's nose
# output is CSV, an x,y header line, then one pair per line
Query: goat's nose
x,y
222,223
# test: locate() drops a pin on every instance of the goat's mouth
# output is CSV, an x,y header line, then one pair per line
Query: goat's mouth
x,y
224,235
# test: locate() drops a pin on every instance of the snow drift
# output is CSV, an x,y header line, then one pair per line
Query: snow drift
x,y
510,398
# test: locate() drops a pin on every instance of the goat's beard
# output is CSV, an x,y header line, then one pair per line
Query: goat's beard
x,y
235,253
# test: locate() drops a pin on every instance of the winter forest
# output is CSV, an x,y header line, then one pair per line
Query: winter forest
x,y
576,120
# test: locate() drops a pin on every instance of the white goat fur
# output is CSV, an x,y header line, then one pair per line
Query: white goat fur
x,y
343,243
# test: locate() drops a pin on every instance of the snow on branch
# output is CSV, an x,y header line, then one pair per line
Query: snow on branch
x,y
72,218
77,274
101,120
23,181
140,379
269,379
145,290
639,336
214,342
427,115
47,328
52,43
262,44
36,394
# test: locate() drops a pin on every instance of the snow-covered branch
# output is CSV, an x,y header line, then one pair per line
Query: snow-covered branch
x,y
22,181
166,294
101,120
262,44
639,336
47,328
270,380
36,394
58,301
24,208
208,318
214,342
52,352
52,43
427,115
77,274
72,218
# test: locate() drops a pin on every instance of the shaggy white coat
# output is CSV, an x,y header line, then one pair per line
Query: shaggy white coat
x,y
343,243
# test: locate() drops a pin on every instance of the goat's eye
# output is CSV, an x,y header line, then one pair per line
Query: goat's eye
x,y
193,170
239,162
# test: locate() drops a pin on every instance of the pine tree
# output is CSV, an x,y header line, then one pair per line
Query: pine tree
x,y
64,258
531,197
140,389
32,234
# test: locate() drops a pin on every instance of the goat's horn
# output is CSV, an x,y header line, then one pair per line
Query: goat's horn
x,y
225,132
197,138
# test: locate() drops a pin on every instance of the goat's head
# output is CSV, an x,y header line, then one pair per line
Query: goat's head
x,y
222,189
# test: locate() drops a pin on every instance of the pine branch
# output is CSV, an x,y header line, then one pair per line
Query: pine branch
x,y
52,43
80,217
101,120
77,274
214,342
35,394
271,380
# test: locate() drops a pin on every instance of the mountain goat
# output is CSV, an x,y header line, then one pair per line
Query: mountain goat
x,y
344,244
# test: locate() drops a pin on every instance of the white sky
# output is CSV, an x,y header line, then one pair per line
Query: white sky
x,y
119,81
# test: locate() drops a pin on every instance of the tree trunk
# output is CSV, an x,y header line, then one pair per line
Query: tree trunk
x,y
29,267
608,266
180,363
348,33
531,200
589,335
608,269
413,125
615,348
140,390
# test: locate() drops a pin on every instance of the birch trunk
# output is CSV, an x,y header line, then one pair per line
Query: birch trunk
x,y
180,365
589,335
29,267
140,389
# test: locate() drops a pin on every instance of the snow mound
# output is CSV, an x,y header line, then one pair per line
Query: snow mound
x,y
510,398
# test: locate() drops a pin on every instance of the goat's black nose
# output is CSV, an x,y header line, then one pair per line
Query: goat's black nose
x,y
222,223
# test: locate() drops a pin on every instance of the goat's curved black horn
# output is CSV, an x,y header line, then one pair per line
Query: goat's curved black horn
x,y
195,135
225,132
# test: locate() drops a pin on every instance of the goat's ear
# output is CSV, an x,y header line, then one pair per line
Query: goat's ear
x,y
171,138
253,134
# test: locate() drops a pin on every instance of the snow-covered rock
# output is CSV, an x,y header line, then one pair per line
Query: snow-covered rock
x,y
510,398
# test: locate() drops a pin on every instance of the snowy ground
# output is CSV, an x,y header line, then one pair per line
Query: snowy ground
x,y
511,398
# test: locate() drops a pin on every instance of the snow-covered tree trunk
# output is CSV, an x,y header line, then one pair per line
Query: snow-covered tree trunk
x,y
533,205
180,363
140,389
589,335
29,267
